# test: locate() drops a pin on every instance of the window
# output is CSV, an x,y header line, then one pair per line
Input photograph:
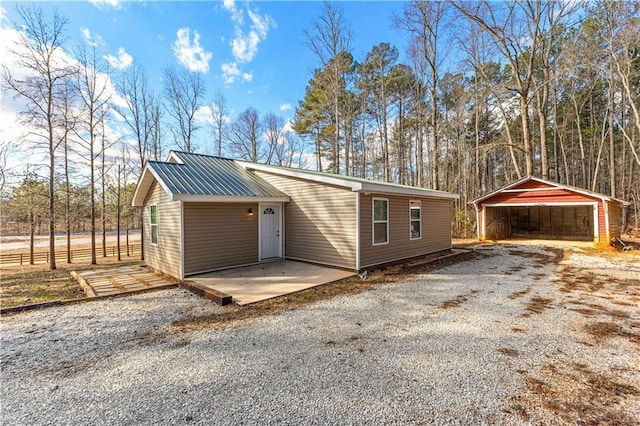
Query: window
x,y
415,220
380,221
153,210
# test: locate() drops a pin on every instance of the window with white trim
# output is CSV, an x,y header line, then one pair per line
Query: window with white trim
x,y
380,221
415,220
153,213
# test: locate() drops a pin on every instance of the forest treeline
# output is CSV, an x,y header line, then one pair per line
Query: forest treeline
x,y
488,92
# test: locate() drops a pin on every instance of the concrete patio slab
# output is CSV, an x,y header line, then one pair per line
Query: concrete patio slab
x,y
126,279
255,283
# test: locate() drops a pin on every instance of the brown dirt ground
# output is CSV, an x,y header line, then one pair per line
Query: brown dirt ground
x,y
574,392
23,285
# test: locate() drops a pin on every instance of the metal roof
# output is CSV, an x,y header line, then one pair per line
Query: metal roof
x,y
194,177
354,183
550,183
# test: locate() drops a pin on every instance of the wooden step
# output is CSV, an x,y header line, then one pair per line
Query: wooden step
x,y
219,297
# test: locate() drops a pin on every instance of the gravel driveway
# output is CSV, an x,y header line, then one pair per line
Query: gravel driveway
x,y
503,338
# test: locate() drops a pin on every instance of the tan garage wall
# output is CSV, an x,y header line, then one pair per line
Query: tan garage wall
x,y
165,256
219,235
436,229
320,221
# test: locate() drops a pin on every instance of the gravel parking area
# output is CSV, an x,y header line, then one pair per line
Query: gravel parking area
x,y
519,334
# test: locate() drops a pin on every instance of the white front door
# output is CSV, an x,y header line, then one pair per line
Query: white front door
x,y
269,231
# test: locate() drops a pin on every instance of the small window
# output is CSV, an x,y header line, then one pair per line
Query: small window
x,y
268,210
153,210
380,221
415,220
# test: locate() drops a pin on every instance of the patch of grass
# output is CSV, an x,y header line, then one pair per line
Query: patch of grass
x,y
602,330
518,294
36,283
622,303
538,387
577,395
553,255
459,300
508,352
536,305
453,303
585,311
518,410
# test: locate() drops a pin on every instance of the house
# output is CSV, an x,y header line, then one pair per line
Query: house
x,y
538,208
204,213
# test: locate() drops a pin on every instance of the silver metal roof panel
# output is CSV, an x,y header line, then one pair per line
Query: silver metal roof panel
x,y
206,175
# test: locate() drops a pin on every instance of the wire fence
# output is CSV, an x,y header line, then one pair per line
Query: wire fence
x,y
126,250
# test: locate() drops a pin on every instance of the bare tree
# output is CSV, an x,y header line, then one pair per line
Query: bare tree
x,y
375,72
92,89
183,92
142,115
330,36
273,126
67,99
5,150
514,27
40,53
220,117
622,24
138,114
245,135
423,20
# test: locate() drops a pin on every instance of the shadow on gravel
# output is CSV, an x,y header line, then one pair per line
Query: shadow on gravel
x,y
233,315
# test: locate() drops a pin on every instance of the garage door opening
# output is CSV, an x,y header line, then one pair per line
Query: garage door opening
x,y
540,222
536,209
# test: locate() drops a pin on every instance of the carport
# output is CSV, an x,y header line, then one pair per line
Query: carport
x,y
534,208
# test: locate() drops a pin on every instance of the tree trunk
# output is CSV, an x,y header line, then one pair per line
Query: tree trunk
x,y
103,198
32,233
118,215
94,261
542,122
67,199
52,211
612,148
526,141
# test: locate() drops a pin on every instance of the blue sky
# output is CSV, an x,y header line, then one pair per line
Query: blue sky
x,y
254,52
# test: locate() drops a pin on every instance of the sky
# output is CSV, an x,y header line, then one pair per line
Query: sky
x,y
254,52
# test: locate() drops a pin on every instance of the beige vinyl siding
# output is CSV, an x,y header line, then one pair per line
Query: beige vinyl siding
x,y
436,229
165,256
320,221
219,235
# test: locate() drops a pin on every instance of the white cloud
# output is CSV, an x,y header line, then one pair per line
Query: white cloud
x,y
203,115
285,107
189,54
92,39
244,46
120,62
3,14
237,15
104,4
230,72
